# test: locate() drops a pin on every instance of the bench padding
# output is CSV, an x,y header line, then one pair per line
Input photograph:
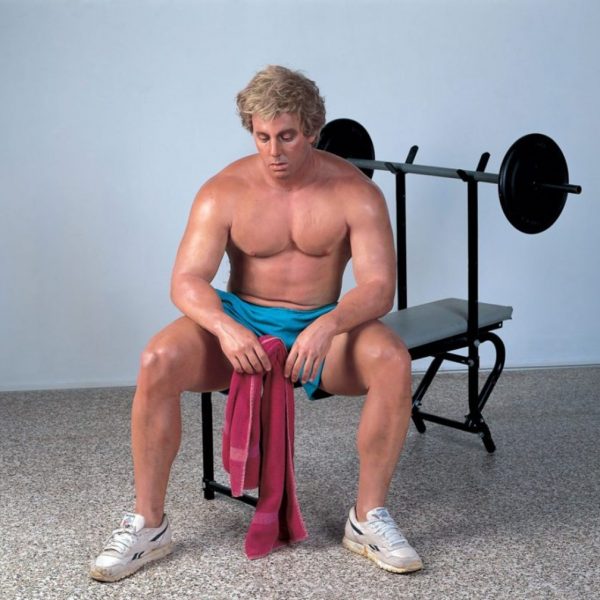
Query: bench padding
x,y
435,321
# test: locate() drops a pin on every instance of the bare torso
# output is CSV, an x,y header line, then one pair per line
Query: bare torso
x,y
289,218
289,248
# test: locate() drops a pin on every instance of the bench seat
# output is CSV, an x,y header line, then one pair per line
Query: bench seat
x,y
425,324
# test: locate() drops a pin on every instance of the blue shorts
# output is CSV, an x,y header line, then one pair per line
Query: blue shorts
x,y
284,323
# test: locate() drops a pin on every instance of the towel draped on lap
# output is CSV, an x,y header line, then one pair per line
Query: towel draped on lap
x,y
258,451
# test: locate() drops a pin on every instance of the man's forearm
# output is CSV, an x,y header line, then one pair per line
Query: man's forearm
x,y
362,303
198,300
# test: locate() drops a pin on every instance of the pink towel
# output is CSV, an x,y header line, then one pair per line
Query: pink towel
x,y
258,451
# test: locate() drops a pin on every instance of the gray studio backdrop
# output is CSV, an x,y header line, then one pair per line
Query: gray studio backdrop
x,y
113,113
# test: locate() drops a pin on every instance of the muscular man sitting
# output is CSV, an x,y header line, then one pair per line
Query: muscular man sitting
x,y
289,217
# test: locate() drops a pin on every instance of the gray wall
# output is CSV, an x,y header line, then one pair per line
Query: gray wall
x,y
112,114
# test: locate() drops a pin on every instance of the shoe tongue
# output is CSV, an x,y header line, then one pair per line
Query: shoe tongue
x,y
378,513
133,521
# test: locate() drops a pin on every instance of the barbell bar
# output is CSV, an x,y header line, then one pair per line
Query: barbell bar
x,y
533,182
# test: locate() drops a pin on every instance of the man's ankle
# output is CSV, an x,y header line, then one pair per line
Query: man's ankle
x,y
362,510
361,513
152,520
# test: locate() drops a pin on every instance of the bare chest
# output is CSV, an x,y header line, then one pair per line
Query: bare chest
x,y
266,227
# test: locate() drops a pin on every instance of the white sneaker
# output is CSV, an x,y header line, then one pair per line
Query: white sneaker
x,y
130,547
379,539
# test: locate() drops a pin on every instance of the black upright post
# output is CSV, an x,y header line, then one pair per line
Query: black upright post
x,y
473,289
473,299
401,249
401,258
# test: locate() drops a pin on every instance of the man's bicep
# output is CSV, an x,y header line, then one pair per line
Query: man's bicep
x,y
204,241
372,241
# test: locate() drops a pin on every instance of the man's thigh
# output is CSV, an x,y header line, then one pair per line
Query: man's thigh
x,y
194,356
353,354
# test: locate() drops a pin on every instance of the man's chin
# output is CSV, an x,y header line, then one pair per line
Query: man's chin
x,y
282,174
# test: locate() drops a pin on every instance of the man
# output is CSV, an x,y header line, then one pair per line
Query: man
x,y
289,217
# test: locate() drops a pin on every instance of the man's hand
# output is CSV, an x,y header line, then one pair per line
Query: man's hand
x,y
310,348
242,349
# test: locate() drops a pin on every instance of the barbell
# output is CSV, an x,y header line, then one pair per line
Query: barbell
x,y
533,182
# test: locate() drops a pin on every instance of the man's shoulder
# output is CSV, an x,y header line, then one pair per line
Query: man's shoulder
x,y
235,173
227,183
341,170
347,180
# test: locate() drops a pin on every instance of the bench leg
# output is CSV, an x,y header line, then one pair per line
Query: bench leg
x,y
478,399
208,464
209,485
492,379
421,390
474,422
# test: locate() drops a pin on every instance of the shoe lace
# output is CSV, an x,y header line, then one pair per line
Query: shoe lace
x,y
121,539
386,527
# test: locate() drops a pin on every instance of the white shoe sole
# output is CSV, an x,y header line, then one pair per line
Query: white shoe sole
x,y
112,574
415,565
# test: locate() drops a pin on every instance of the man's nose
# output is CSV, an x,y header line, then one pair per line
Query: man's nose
x,y
275,148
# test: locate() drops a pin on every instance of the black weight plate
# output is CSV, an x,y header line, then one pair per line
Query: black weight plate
x,y
348,139
530,161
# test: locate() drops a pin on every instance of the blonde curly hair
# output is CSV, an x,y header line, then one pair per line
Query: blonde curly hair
x,y
276,90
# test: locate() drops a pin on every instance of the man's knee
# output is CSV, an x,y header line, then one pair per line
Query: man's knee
x,y
388,362
159,362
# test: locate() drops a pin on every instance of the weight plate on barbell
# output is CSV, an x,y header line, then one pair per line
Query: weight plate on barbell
x,y
348,139
532,161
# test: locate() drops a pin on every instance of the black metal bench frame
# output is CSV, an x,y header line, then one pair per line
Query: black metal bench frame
x,y
439,350
442,350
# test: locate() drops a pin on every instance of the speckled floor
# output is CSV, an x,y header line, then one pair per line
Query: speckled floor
x,y
521,523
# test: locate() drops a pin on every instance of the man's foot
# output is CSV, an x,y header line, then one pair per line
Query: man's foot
x,y
130,547
379,539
